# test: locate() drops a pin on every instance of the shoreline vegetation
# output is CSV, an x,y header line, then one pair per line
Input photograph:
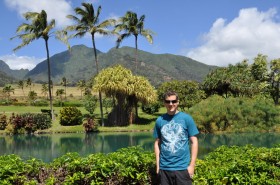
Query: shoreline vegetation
x,y
215,114
133,165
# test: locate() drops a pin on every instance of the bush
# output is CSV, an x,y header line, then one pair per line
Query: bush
x,y
239,165
235,115
40,103
90,103
3,121
68,104
90,125
151,108
70,116
133,165
28,123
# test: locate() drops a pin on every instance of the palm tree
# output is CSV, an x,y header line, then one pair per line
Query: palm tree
x,y
60,92
29,83
89,23
7,90
64,82
21,86
81,86
131,25
45,90
38,28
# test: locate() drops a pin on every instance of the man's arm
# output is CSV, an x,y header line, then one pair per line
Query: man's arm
x,y
157,150
194,151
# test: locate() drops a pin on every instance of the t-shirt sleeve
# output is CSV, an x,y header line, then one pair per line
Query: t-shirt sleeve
x,y
156,133
192,128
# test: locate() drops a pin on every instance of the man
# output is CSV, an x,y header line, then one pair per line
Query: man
x,y
174,161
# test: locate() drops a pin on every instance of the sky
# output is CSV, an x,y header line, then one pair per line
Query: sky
x,y
216,32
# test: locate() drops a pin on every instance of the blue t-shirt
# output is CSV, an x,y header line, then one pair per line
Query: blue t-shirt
x,y
174,132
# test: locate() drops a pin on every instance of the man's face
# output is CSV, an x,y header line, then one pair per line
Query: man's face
x,y
171,104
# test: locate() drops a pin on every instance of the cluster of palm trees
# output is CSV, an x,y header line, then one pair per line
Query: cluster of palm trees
x,y
86,22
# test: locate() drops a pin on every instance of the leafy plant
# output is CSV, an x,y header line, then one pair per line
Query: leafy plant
x,y
70,116
90,125
151,108
3,121
28,123
90,103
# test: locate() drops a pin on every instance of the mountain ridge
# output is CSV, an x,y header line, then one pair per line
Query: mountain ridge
x,y
78,63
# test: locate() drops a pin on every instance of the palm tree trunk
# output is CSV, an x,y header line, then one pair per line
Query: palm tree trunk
x,y
49,78
97,71
136,53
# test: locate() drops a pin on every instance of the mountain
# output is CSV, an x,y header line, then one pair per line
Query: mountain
x,y
8,75
79,63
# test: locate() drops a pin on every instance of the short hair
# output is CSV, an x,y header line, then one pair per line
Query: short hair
x,y
170,93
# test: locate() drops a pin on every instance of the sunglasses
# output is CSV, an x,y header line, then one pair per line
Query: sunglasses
x,y
170,101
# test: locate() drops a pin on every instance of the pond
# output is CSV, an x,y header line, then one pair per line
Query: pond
x,y
49,146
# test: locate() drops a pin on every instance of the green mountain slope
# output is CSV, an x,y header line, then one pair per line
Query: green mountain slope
x,y
8,75
79,64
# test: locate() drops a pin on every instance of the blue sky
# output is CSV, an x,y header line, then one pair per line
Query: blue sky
x,y
216,32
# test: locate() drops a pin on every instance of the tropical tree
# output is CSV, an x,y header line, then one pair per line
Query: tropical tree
x,y
21,86
45,90
89,23
119,83
259,68
189,92
7,90
59,93
234,80
268,74
275,80
129,25
64,83
81,84
38,28
32,96
29,83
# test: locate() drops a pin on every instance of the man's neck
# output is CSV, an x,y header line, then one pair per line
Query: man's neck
x,y
172,113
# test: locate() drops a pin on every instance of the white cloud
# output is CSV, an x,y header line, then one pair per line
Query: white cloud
x,y
249,34
56,9
21,62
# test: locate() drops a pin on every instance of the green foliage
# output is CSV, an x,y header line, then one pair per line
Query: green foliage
x,y
90,103
189,92
234,80
108,103
32,96
70,116
236,115
90,125
40,103
3,121
28,123
133,165
71,103
239,165
151,108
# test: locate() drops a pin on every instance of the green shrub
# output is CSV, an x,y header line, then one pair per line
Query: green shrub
x,y
236,115
239,165
90,125
40,103
3,121
28,123
133,165
151,108
70,116
90,103
68,104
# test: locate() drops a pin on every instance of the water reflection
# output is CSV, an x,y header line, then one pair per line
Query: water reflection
x,y
48,147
